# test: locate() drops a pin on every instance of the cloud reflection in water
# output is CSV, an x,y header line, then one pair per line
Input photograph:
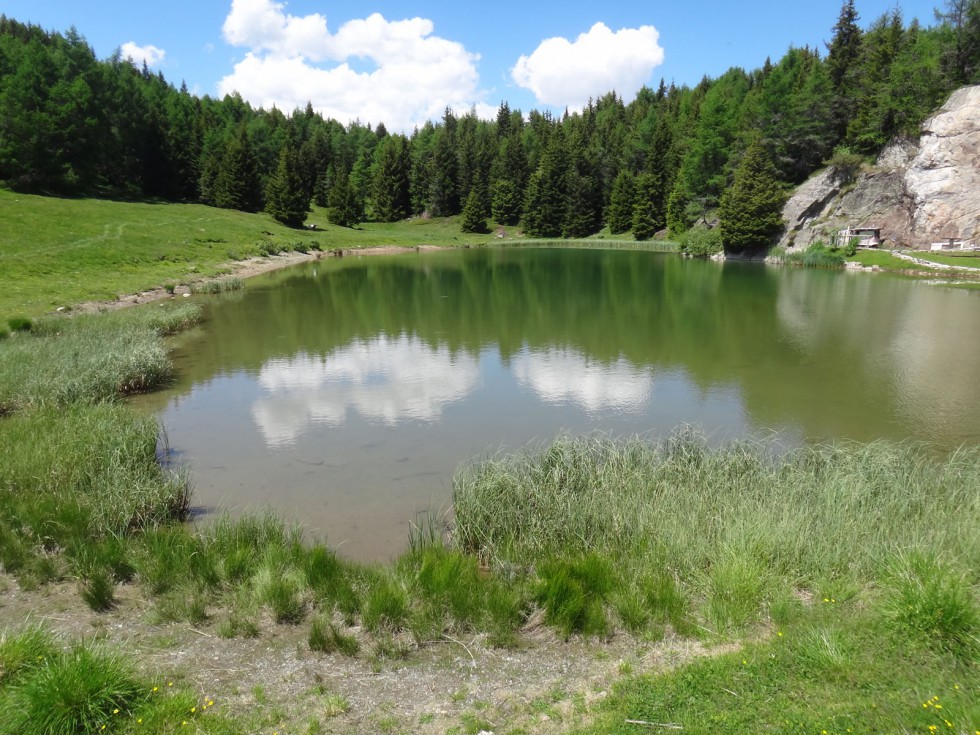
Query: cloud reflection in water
x,y
386,379
560,375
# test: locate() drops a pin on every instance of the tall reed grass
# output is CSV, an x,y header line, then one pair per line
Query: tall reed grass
x,y
89,358
735,525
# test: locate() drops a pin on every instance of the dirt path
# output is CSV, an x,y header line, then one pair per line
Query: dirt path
x,y
545,685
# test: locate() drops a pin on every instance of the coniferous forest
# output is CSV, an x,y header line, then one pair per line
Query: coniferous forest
x,y
71,124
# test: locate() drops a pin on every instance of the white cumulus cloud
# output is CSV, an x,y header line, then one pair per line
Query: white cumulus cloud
x,y
371,69
138,54
566,73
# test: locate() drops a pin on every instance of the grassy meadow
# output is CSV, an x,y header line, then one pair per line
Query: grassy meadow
x,y
837,584
60,252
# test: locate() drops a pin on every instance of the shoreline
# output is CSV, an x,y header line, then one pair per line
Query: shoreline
x,y
242,269
266,264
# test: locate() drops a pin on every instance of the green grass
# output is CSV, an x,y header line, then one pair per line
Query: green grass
x,y
53,687
817,255
966,259
593,534
883,260
838,669
62,252
739,527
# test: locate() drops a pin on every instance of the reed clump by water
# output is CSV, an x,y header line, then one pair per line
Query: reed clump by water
x,y
738,528
223,285
89,358
79,472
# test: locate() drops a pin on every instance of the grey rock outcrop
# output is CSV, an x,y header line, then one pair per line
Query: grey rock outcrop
x,y
918,192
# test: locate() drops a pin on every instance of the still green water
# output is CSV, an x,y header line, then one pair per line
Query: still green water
x,y
344,393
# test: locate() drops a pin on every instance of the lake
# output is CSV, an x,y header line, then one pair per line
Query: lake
x,y
344,393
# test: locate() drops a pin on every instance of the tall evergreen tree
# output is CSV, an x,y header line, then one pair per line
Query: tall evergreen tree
x,y
844,50
648,216
391,201
620,213
544,206
751,209
236,185
474,219
344,207
285,193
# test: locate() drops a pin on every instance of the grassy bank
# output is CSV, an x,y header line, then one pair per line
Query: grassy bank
x,y
61,252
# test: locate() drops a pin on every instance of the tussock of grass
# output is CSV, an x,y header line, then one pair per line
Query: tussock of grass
x,y
818,255
573,594
325,637
89,358
76,691
77,475
932,600
386,607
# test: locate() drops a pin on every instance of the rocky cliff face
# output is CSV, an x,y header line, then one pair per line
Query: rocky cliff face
x,y
919,192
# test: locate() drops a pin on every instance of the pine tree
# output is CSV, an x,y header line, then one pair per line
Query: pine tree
x,y
474,219
344,207
285,194
620,214
391,194
648,219
751,208
236,185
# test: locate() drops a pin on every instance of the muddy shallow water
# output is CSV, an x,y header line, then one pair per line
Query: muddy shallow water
x,y
344,393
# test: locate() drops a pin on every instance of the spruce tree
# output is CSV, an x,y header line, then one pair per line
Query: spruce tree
x,y
647,218
751,208
505,202
285,194
237,183
344,207
620,214
391,194
474,219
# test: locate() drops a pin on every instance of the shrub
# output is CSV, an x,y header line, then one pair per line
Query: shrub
x,y
701,242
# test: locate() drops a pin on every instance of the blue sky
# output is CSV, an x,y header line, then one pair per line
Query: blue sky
x,y
402,63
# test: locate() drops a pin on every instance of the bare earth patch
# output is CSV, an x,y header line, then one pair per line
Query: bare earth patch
x,y
545,685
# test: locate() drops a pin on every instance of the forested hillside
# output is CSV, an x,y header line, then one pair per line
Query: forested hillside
x,y
73,124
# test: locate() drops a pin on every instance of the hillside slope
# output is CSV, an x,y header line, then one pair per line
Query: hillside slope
x,y
918,192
